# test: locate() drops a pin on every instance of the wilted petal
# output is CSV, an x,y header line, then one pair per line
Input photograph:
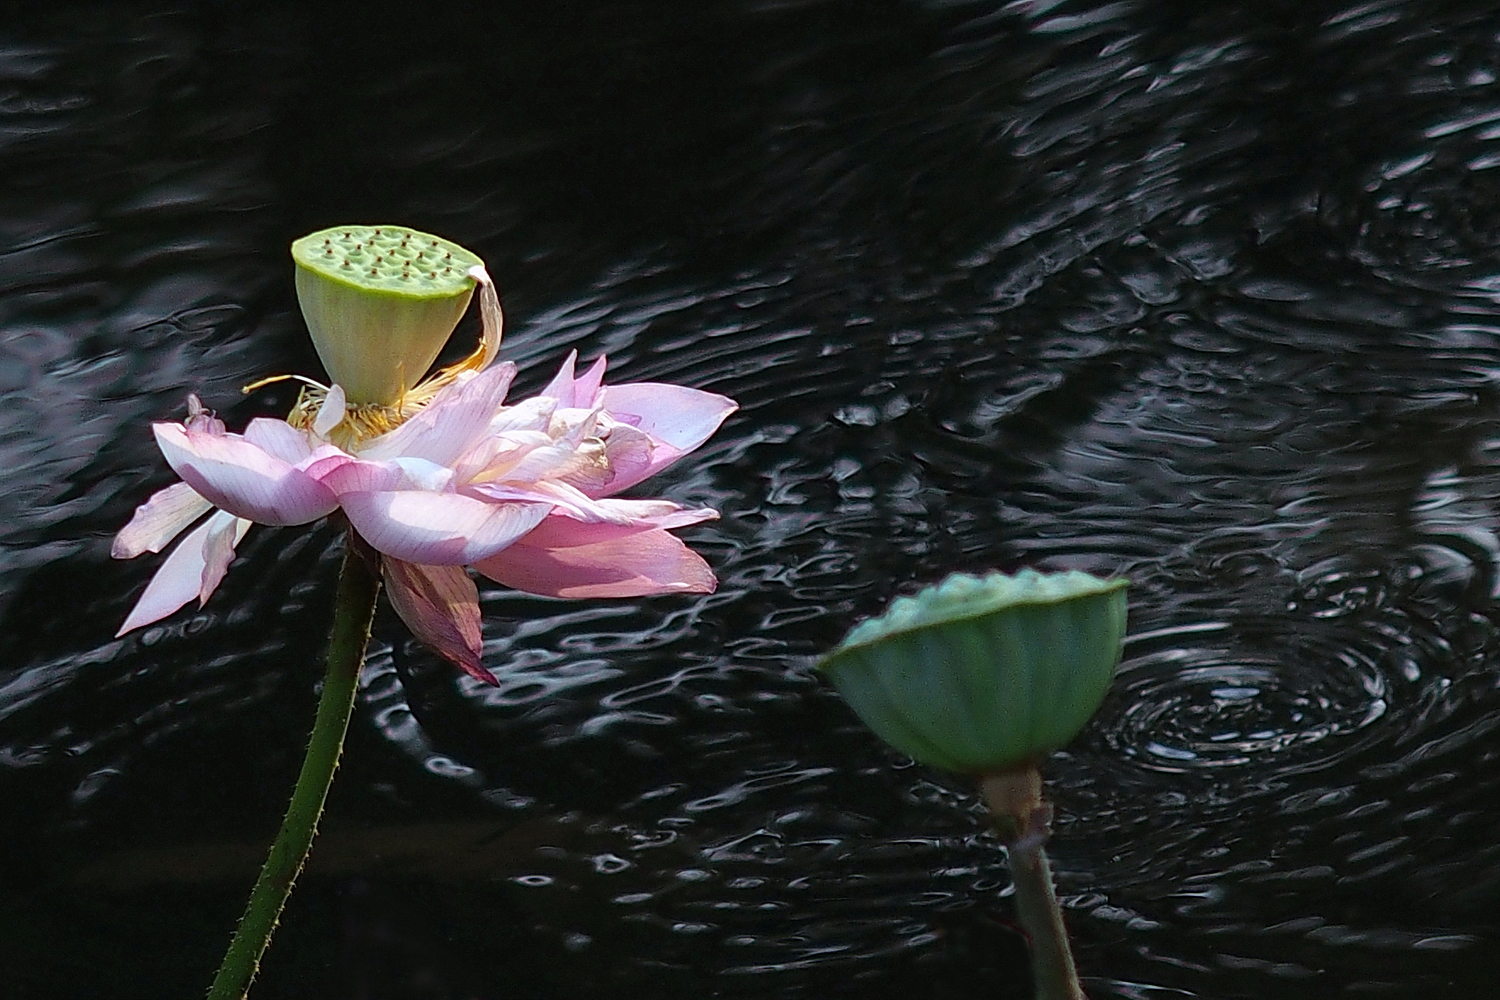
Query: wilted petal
x,y
186,573
599,560
449,425
438,529
678,420
159,520
440,604
240,477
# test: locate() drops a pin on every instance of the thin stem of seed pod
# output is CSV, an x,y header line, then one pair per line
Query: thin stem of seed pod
x,y
354,610
1023,822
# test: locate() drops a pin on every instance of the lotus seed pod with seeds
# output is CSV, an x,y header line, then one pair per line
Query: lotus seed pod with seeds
x,y
380,303
981,674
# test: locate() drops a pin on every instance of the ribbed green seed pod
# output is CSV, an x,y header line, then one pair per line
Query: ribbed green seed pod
x,y
380,303
981,674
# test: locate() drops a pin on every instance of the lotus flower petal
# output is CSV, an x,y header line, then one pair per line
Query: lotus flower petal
x,y
565,558
193,569
279,439
561,386
159,520
678,420
438,529
451,424
440,604
224,533
239,476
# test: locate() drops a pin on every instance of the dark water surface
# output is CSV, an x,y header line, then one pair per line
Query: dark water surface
x,y
1205,295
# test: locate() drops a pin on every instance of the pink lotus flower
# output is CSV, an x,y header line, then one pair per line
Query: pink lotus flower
x,y
523,493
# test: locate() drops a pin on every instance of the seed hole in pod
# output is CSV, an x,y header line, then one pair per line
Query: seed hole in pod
x,y
447,256
377,232
432,275
346,262
347,235
359,246
432,243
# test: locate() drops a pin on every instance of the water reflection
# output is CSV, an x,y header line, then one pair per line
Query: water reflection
x,y
1205,297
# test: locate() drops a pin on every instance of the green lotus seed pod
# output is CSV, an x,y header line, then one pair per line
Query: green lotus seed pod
x,y
380,303
981,674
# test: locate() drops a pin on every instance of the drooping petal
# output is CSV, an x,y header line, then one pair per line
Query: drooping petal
x,y
602,561
240,477
438,529
440,604
224,533
451,424
678,420
491,319
159,520
184,574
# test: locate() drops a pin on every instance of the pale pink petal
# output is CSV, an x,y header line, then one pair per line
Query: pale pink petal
x,y
561,386
534,414
332,412
628,457
586,386
440,604
181,576
616,562
159,520
278,439
358,476
658,513
566,497
677,418
456,419
242,478
684,418
224,533
438,529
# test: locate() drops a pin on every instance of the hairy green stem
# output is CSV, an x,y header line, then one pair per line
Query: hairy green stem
x,y
1023,821
354,609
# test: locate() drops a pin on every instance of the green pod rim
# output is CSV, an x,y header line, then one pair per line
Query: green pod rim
x,y
981,674
380,302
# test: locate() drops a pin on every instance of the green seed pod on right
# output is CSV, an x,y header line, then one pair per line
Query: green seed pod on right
x,y
380,303
982,674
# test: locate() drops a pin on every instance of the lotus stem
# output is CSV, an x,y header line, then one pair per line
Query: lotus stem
x,y
354,610
1023,821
